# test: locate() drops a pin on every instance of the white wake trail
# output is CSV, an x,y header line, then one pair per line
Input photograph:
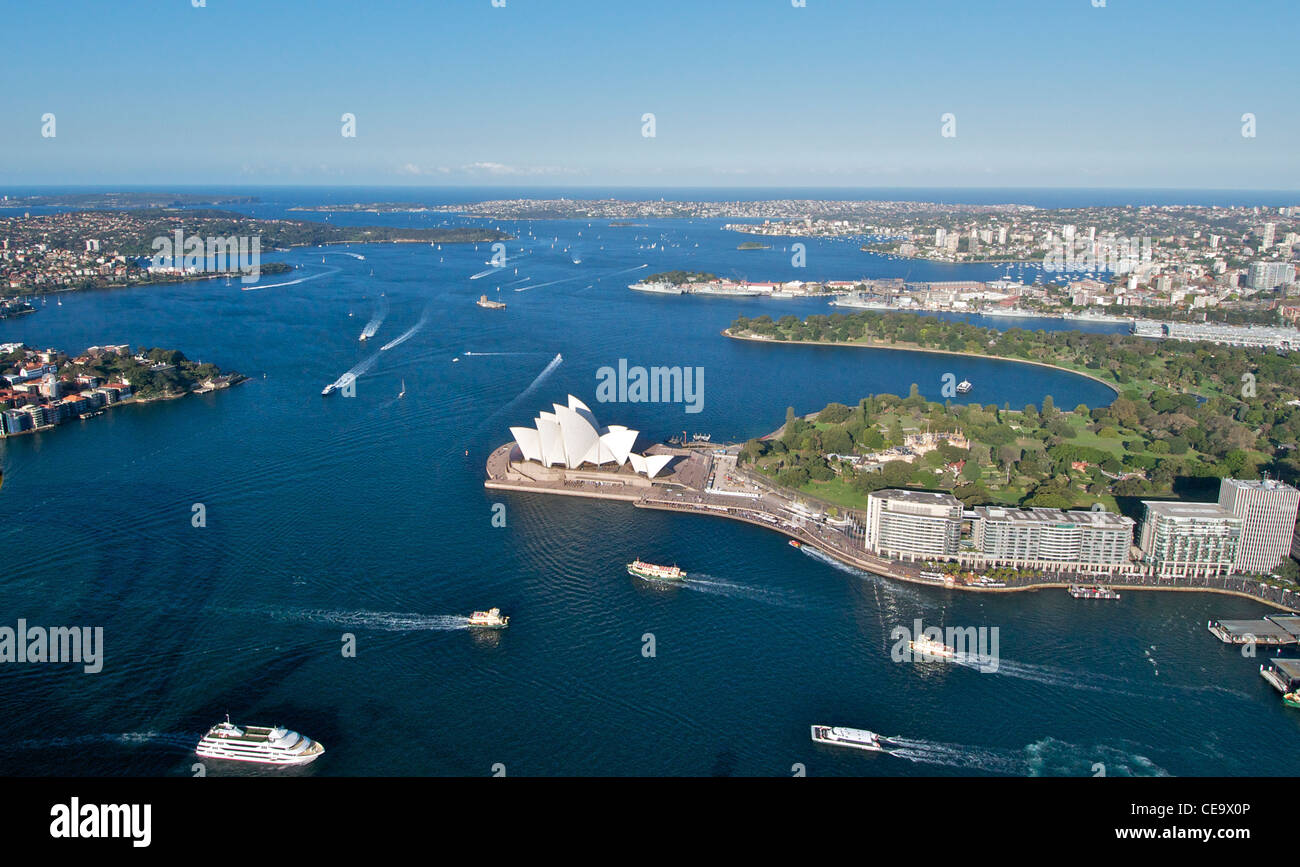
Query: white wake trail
x,y
408,334
325,273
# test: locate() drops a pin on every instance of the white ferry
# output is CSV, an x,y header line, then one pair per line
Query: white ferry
x,y
839,736
964,387
928,648
268,746
642,569
490,619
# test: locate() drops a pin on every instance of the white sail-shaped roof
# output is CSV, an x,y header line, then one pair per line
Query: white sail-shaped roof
x,y
569,436
530,442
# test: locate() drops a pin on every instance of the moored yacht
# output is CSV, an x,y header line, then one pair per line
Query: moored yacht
x,y
268,746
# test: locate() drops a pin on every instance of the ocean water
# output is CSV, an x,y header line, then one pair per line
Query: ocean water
x,y
367,516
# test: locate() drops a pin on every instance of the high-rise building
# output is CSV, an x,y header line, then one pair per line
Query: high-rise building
x,y
913,524
1268,275
1051,538
1267,510
1267,235
1189,539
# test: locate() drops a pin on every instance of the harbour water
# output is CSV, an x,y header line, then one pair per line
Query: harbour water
x,y
366,516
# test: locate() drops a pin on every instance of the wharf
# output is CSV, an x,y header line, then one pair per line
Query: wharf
x,y
1267,631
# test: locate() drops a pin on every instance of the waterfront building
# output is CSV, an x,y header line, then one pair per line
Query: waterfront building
x,y
908,525
1267,510
1189,539
1231,335
1051,539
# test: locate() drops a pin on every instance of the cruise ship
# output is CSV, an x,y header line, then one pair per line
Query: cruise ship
x,y
928,648
650,571
839,736
268,746
490,619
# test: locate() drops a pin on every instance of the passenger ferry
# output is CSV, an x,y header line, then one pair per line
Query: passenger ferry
x,y
490,619
268,746
838,736
1097,592
928,648
650,571
964,387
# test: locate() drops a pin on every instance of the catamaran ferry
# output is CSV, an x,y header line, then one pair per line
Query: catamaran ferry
x,y
650,571
490,619
928,648
838,736
268,746
1097,592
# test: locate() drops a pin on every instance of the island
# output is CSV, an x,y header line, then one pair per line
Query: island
x,y
41,389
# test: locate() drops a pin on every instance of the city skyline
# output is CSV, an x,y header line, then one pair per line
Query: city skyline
x,y
742,95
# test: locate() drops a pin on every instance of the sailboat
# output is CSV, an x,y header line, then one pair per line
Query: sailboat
x,y
401,394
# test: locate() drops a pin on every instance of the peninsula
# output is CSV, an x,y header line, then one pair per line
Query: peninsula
x,y
41,389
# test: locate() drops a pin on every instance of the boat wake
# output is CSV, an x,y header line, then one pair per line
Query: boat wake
x,y
895,588
324,273
718,587
383,621
409,333
1008,762
360,369
378,319
179,740
541,377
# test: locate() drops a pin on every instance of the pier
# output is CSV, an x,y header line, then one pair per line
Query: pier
x,y
1267,631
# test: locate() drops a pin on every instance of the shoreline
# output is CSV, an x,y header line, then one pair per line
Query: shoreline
x,y
862,560
726,332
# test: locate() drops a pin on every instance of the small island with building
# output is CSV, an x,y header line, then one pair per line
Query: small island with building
x,y
43,388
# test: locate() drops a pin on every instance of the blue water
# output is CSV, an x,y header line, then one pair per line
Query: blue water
x,y
366,516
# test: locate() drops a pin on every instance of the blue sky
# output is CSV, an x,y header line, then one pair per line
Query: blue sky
x,y
1140,93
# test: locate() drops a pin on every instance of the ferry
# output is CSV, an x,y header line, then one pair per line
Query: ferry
x,y
928,648
964,387
1096,592
651,572
1292,699
490,619
839,736
268,746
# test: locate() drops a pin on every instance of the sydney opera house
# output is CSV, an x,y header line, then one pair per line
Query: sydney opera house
x,y
570,437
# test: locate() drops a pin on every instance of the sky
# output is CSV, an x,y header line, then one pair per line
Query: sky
x,y
853,93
